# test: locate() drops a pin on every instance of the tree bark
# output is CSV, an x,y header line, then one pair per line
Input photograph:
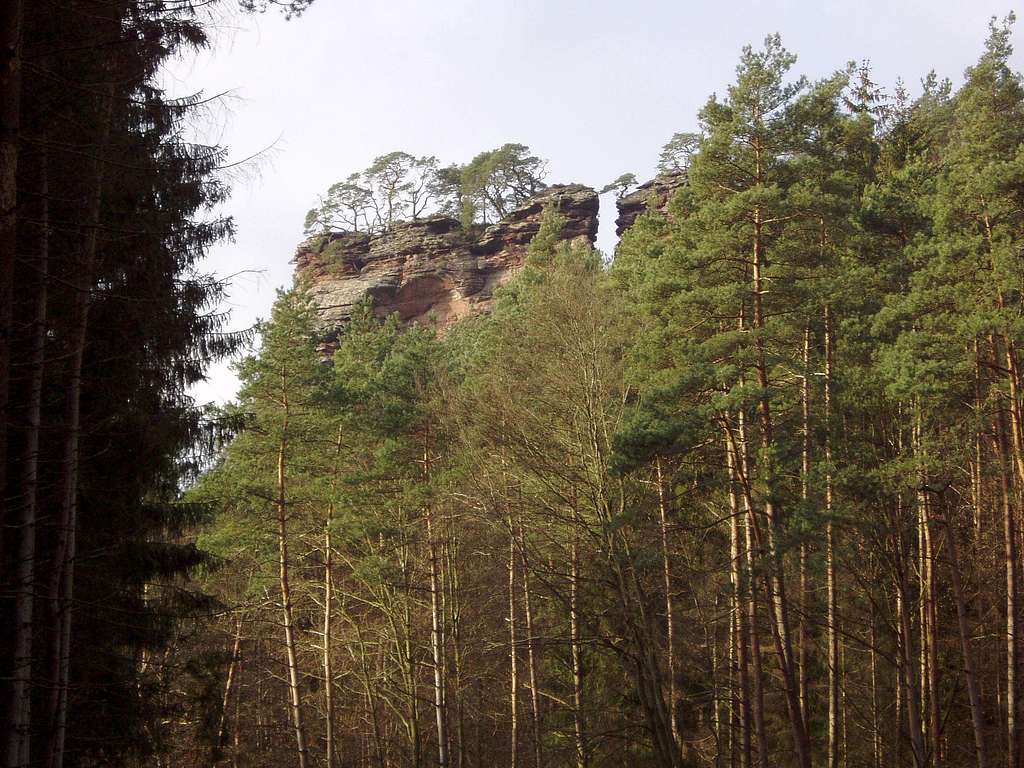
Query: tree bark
x,y
576,648
229,683
670,621
67,517
436,630
531,662
294,691
963,629
830,561
741,597
11,32
513,694
775,581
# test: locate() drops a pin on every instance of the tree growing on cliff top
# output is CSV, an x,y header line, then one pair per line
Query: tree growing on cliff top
x,y
621,186
398,186
499,180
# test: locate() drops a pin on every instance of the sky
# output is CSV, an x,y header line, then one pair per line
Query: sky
x,y
594,86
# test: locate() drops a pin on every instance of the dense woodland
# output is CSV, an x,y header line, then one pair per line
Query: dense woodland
x,y
106,320
746,492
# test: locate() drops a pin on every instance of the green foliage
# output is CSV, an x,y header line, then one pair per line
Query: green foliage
x,y
398,186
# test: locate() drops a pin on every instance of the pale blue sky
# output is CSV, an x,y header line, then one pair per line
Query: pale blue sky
x,y
595,87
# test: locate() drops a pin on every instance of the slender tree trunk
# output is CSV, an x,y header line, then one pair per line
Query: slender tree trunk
x,y
455,625
576,647
28,506
294,691
741,598
437,646
531,663
513,695
906,665
67,517
670,621
437,641
805,474
963,628
370,690
410,661
830,561
930,630
742,464
1013,726
776,581
1010,563
328,669
876,740
229,684
11,32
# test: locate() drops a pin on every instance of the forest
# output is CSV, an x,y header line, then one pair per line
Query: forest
x,y
745,492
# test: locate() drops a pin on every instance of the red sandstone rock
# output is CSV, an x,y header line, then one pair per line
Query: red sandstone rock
x,y
431,270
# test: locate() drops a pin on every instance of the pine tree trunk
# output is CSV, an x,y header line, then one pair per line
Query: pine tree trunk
x,y
929,630
229,683
805,474
28,512
328,669
750,523
11,32
905,663
1010,564
670,622
513,695
409,661
576,647
830,561
876,739
294,691
67,517
776,581
531,662
741,596
455,626
963,628
437,646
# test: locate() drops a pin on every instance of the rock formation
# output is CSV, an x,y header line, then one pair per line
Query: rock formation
x,y
431,270
655,193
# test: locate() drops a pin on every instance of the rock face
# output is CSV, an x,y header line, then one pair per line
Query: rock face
x,y
655,193
431,270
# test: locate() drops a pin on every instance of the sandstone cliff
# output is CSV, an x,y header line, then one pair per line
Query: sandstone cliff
x,y
431,270
655,193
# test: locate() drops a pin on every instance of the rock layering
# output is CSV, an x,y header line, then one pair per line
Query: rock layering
x,y
655,193
431,270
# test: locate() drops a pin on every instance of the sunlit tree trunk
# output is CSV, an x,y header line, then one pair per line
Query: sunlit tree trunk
x,y
830,561
327,650
229,684
437,642
742,465
513,652
531,660
776,581
805,474
963,629
294,691
670,621
741,597
576,647
905,665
